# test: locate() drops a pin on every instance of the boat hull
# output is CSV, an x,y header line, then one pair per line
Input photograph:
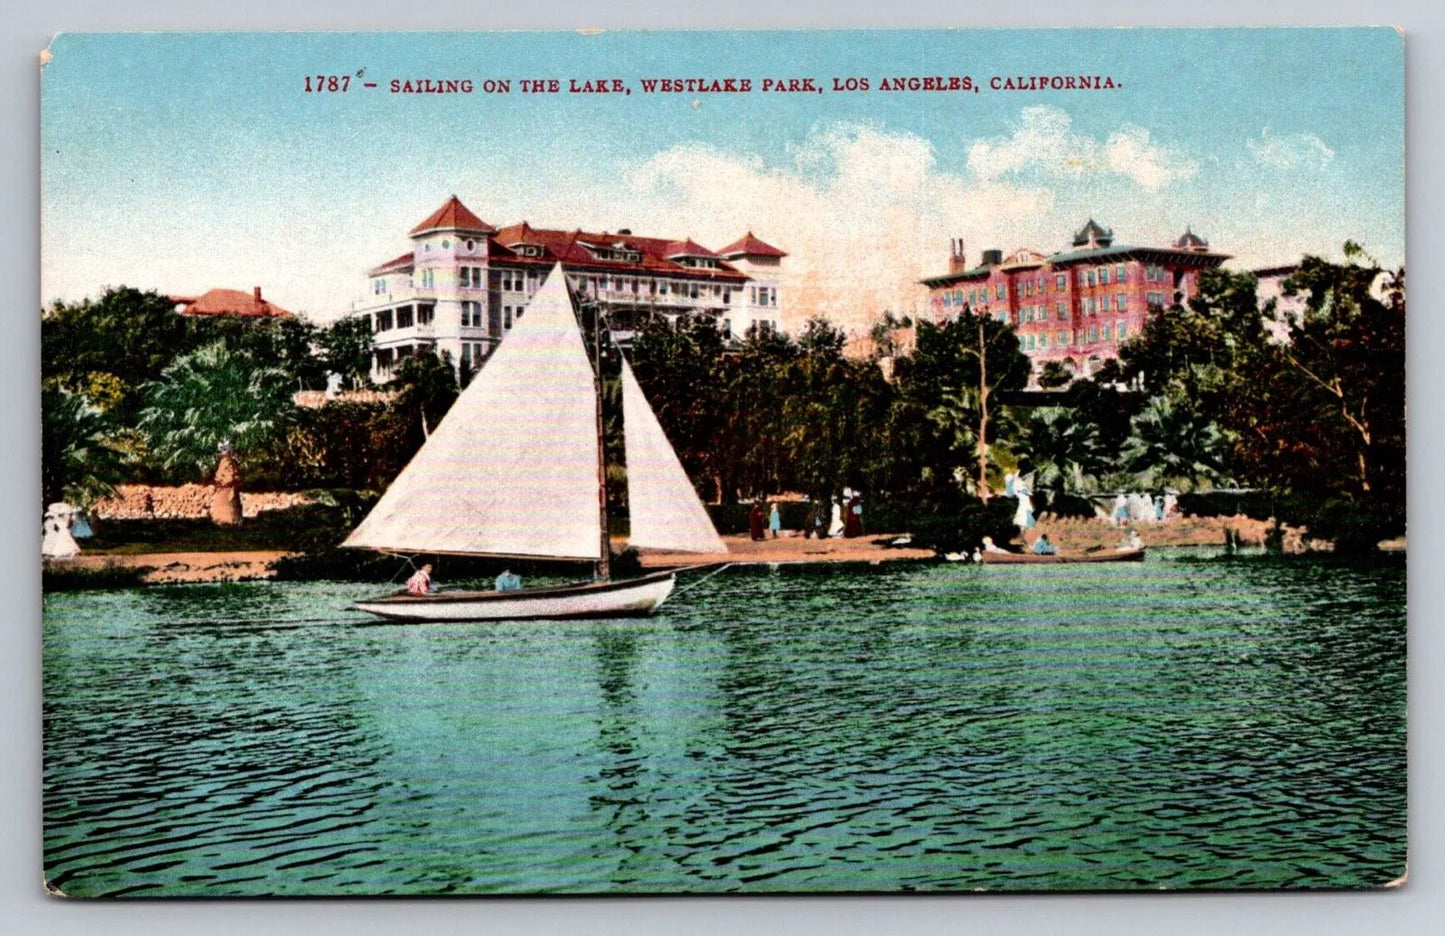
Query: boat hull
x,y
626,598
1125,555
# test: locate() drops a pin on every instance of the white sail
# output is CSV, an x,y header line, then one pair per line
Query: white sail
x,y
512,469
665,510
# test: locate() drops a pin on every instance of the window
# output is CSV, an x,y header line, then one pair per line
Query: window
x,y
1093,333
1121,273
446,244
404,317
1089,306
1103,276
1156,300
1121,302
507,317
1063,337
1061,281
383,320
471,245
1089,278
1063,310
1108,331
428,279
1043,342
1030,342
1001,291
378,287
1121,331
1000,316
424,314
948,299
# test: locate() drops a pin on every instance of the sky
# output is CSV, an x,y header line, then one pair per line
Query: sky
x,y
183,162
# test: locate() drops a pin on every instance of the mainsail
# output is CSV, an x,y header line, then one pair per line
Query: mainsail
x,y
665,510
512,469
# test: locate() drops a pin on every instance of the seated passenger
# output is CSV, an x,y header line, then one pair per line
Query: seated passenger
x,y
990,547
420,584
508,581
1042,546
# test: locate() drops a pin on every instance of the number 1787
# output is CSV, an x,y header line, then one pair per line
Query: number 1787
x,y
327,83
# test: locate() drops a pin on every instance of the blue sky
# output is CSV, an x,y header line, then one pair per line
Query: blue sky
x,y
185,161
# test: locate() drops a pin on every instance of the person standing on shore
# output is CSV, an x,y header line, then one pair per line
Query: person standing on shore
x,y
755,521
775,521
835,525
853,520
226,501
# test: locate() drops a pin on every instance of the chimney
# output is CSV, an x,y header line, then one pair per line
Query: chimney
x,y
256,290
992,257
957,259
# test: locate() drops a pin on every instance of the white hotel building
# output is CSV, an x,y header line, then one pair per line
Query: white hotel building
x,y
463,282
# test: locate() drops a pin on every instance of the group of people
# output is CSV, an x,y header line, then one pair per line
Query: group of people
x,y
831,518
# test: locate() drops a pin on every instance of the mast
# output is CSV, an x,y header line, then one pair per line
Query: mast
x,y
604,564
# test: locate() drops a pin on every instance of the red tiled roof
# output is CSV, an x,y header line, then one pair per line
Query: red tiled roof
x,y
570,247
230,302
750,246
401,264
688,248
453,216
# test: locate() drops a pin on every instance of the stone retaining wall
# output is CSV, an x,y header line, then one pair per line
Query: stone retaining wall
x,y
185,502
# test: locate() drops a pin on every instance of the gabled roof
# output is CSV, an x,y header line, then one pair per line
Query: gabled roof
x,y
688,248
402,264
235,302
453,216
750,246
1094,232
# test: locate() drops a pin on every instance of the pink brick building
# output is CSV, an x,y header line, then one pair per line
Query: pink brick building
x,y
1076,306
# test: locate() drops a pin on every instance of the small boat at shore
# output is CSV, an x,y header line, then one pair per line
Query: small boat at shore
x,y
516,470
1110,555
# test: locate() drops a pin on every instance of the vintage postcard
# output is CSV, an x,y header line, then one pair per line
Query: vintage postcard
x,y
701,462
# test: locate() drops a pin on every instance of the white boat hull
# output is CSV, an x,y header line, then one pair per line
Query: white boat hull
x,y
627,598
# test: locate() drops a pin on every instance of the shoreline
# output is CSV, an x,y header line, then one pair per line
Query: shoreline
x,y
121,569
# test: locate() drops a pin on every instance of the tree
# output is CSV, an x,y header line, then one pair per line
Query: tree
x,y
426,385
950,381
345,347
78,463
210,396
125,338
1317,417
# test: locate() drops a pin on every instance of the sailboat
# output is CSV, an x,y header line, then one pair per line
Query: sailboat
x,y
516,469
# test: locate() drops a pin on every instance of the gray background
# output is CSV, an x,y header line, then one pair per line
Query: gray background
x,y
25,909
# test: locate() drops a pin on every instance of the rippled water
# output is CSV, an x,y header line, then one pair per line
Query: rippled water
x,y
1180,723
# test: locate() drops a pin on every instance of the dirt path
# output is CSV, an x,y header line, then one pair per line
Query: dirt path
x,y
741,549
174,567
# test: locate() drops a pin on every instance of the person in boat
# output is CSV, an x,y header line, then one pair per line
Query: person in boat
x,y
1042,546
755,521
420,584
1130,542
989,546
775,521
508,581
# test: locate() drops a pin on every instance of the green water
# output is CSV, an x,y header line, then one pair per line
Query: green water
x,y
1181,723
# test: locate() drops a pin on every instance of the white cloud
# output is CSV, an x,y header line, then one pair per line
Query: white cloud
x,y
1290,152
1045,139
863,213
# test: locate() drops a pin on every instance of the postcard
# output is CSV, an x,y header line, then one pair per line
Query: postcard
x,y
594,462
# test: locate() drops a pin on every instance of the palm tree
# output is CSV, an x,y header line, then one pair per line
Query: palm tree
x,y
211,396
1171,443
78,461
1062,448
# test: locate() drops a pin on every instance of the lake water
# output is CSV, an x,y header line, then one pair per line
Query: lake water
x,y
1185,723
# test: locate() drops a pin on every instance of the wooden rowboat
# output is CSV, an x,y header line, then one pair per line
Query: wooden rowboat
x,y
1103,555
